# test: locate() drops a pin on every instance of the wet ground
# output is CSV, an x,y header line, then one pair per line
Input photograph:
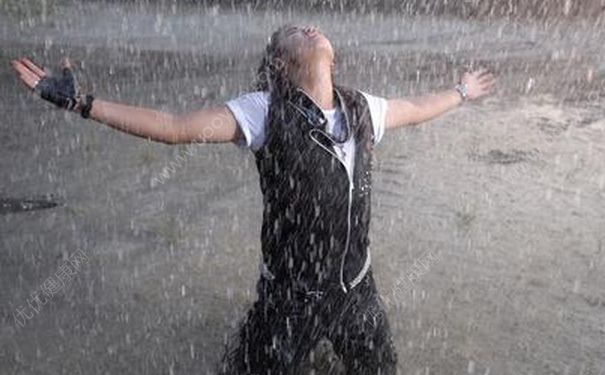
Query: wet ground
x,y
507,194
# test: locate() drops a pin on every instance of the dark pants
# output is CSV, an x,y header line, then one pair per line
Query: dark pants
x,y
284,325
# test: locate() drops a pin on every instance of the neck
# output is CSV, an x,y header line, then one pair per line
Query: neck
x,y
316,81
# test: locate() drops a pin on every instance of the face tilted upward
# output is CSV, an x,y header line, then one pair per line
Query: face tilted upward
x,y
305,45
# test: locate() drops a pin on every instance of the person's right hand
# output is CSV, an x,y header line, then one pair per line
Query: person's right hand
x,y
61,89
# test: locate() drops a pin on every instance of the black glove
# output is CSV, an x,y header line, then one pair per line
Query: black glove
x,y
61,90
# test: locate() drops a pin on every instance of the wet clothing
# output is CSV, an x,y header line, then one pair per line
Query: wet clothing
x,y
314,243
279,333
316,218
251,110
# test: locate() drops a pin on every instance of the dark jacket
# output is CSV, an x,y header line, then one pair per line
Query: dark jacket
x,y
316,219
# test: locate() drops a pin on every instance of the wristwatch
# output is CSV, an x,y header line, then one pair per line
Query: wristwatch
x,y
462,89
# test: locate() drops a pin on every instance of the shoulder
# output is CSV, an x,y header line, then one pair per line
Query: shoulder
x,y
371,98
375,103
348,91
377,106
250,111
250,99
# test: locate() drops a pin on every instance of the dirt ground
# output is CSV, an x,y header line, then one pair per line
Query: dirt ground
x,y
506,194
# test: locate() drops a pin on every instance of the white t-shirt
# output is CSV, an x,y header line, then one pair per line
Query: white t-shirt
x,y
251,110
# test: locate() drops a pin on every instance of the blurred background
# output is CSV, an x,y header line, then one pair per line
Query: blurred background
x,y
151,251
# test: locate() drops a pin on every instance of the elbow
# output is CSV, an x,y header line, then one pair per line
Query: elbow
x,y
167,142
167,139
174,133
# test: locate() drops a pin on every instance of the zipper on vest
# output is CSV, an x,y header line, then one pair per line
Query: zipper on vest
x,y
350,202
366,265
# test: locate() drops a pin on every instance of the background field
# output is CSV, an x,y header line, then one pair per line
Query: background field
x,y
508,192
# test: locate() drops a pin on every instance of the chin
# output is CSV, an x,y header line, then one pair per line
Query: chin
x,y
323,45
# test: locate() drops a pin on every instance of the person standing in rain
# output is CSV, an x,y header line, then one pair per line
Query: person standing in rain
x,y
312,140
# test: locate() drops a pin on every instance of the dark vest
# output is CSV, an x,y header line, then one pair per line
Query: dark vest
x,y
315,220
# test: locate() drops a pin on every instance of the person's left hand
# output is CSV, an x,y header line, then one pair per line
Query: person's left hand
x,y
478,83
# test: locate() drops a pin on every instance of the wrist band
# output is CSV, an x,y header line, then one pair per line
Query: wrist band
x,y
87,106
462,89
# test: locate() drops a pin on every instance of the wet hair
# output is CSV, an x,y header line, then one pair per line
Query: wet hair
x,y
272,73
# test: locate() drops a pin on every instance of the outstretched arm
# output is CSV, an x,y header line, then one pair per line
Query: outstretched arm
x,y
211,125
402,112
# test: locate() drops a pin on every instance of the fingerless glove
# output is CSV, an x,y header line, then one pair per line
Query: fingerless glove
x,y
61,90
